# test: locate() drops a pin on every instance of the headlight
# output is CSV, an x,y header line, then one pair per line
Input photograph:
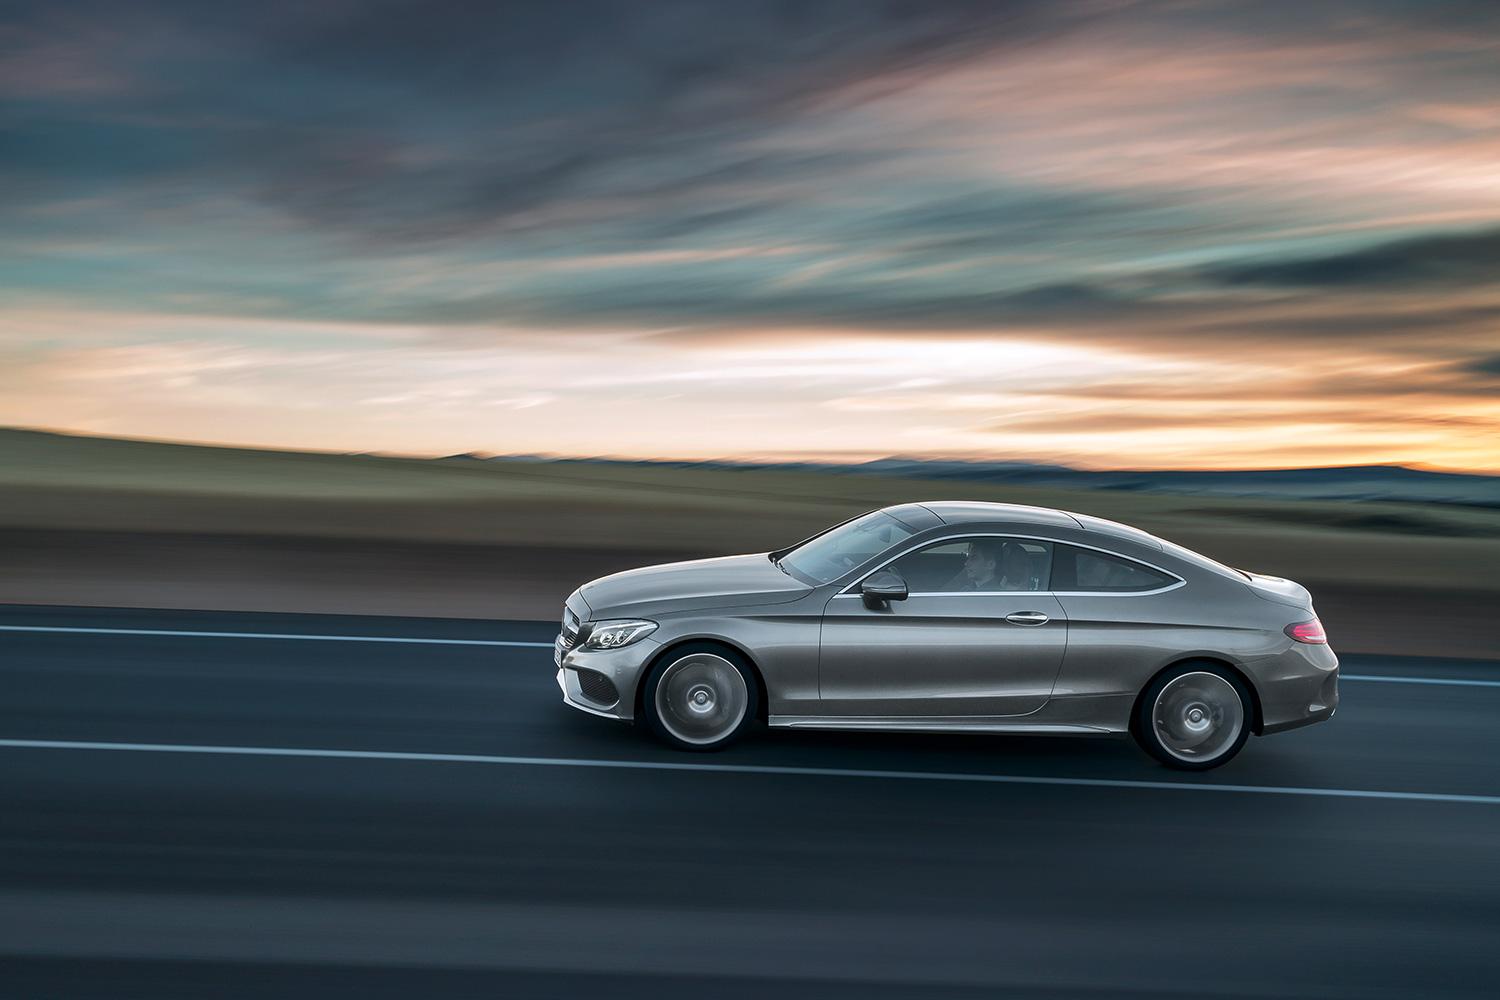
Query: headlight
x,y
613,635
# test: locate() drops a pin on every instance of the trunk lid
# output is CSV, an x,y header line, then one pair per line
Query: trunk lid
x,y
1282,591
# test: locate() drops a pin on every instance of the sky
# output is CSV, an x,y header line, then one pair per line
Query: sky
x,y
1111,234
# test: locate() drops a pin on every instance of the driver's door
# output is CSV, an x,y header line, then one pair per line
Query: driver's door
x,y
944,653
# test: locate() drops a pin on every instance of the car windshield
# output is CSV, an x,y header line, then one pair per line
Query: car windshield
x,y
836,552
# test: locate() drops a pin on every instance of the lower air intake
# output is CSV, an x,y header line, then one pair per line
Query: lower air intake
x,y
597,688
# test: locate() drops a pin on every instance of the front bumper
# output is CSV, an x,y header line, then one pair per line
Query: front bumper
x,y
603,682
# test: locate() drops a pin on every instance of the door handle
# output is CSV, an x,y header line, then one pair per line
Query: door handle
x,y
1027,618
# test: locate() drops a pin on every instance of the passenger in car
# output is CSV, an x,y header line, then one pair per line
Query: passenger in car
x,y
980,571
1015,568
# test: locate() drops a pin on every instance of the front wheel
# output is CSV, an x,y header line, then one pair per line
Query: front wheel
x,y
1194,717
700,697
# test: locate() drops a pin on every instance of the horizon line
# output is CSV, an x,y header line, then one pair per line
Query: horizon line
x,y
727,458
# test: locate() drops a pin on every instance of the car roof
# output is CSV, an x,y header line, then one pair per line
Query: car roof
x,y
973,511
967,511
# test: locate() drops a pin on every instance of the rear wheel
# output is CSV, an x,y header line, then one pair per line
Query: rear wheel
x,y
1194,717
700,697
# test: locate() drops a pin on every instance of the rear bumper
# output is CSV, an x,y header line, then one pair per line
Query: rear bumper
x,y
1307,720
1302,689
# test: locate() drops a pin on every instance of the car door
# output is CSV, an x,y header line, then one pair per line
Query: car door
x,y
956,648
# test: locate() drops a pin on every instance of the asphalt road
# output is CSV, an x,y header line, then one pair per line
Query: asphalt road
x,y
480,839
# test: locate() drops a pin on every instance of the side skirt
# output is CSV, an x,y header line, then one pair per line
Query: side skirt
x,y
930,725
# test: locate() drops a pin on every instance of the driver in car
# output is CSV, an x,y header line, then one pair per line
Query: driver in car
x,y
993,566
980,570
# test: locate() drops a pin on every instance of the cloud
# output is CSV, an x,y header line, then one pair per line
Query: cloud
x,y
1208,418
1487,366
474,197
1440,260
402,122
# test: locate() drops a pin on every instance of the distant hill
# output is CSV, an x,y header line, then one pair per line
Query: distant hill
x,y
83,457
1349,482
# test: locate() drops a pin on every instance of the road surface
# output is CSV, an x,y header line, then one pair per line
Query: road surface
x,y
457,831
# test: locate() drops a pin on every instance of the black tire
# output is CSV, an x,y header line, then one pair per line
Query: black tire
x,y
1155,717
700,670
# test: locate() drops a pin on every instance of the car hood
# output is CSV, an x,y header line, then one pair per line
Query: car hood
x,y
691,586
1274,588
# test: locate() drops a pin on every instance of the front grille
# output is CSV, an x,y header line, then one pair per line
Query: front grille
x,y
597,688
569,636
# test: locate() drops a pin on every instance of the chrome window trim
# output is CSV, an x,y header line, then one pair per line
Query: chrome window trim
x,y
1011,593
1044,593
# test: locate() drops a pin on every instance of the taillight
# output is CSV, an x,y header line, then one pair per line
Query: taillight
x,y
1310,632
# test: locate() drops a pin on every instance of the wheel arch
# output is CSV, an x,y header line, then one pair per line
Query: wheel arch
x,y
762,707
1257,719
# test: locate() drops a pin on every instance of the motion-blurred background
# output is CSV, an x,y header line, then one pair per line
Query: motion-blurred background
x,y
434,310
1398,561
1014,246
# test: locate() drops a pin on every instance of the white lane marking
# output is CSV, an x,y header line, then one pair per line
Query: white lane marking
x,y
413,640
420,640
1455,681
764,769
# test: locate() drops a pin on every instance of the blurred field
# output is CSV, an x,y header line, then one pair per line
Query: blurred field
x,y
144,524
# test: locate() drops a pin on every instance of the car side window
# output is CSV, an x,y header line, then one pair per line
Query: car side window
x,y
984,565
1079,569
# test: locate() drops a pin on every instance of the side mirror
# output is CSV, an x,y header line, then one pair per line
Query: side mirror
x,y
882,587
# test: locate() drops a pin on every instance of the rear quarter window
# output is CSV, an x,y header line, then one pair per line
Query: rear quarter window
x,y
1089,571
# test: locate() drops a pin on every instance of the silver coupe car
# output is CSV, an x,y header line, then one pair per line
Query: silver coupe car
x,y
955,617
